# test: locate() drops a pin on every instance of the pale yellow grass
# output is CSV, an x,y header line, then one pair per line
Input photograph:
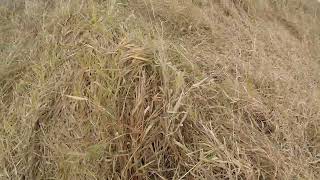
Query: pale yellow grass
x,y
160,89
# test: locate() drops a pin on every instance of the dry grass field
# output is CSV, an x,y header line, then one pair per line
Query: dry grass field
x,y
160,89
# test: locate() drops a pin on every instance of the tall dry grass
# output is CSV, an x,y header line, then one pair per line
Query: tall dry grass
x,y
160,89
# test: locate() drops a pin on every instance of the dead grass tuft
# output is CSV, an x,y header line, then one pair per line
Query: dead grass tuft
x,y
159,89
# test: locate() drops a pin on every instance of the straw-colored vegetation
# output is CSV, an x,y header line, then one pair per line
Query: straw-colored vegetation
x,y
160,89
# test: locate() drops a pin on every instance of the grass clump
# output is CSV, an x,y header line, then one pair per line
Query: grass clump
x,y
159,89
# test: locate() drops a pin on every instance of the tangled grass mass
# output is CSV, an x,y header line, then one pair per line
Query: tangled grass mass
x,y
160,89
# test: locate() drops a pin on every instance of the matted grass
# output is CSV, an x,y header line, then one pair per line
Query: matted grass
x,y
160,89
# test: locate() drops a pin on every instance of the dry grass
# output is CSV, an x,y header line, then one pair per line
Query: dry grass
x,y
160,89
